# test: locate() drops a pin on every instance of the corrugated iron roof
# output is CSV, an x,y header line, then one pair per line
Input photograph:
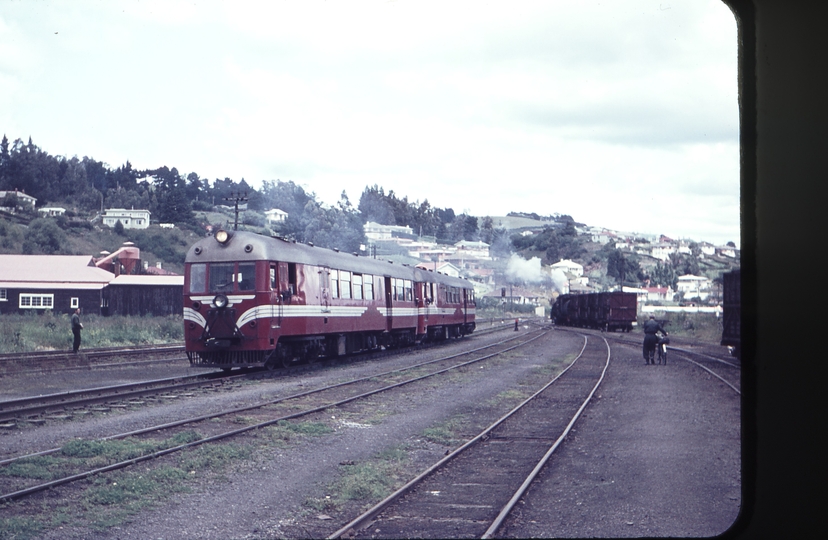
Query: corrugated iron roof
x,y
55,269
124,279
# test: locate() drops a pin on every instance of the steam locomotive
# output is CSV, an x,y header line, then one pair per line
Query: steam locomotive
x,y
252,300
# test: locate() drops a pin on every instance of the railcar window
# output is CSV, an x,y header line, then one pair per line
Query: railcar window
x,y
357,283
368,286
334,284
272,277
399,292
409,292
247,276
221,277
198,278
345,283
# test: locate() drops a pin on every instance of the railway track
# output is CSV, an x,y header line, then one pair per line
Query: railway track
x,y
471,491
272,412
32,362
64,402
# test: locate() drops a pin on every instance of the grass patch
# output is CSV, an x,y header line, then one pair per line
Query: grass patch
x,y
82,453
52,331
369,481
444,433
285,432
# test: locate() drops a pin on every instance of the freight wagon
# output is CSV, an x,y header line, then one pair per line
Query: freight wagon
x,y
607,311
732,311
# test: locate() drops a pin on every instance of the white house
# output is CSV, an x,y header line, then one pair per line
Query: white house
x,y
477,250
22,198
275,216
565,265
662,251
375,231
694,286
51,211
130,219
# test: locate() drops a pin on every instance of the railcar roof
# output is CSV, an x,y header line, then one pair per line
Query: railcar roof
x,y
263,248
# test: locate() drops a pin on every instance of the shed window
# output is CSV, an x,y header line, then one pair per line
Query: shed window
x,y
37,301
4,295
74,303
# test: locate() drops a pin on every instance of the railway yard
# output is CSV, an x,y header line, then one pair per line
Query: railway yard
x,y
540,432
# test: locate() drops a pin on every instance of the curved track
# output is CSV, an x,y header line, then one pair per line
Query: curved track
x,y
471,491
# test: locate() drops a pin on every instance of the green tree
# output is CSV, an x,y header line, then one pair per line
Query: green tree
x,y
43,236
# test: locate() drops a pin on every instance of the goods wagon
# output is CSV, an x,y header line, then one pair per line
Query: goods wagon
x,y
732,311
608,311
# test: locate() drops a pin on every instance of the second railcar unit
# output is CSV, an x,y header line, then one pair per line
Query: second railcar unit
x,y
608,311
252,300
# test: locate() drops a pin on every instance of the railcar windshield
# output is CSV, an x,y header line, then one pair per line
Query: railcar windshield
x,y
221,277
198,278
246,276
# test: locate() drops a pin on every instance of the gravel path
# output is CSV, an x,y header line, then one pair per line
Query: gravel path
x,y
657,454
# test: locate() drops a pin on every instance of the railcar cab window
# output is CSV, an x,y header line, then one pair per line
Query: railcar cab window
x,y
221,277
246,277
198,278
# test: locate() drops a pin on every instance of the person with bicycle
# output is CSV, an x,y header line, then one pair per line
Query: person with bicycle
x,y
651,329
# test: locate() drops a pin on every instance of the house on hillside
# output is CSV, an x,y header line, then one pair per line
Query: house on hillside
x,y
23,200
51,211
474,250
274,217
565,265
375,231
130,219
694,286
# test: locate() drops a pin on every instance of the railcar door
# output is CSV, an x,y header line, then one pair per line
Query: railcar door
x,y
389,292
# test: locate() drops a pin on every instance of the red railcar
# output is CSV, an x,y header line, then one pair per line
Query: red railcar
x,y
251,300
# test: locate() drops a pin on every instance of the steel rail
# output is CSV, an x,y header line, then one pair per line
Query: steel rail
x,y
529,479
259,405
61,481
363,519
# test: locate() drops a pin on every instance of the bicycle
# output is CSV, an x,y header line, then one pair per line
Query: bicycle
x,y
661,347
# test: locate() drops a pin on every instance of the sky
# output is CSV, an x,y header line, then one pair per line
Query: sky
x,y
621,114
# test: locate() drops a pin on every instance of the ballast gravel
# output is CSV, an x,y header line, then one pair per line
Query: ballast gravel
x,y
657,453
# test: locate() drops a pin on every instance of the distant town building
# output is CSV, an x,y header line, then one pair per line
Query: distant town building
x,y
565,265
51,211
375,231
694,286
22,198
130,219
275,217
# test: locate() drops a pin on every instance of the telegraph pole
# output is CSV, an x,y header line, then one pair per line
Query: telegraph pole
x,y
236,198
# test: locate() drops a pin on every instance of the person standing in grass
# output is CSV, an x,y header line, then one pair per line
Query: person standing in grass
x,y
76,330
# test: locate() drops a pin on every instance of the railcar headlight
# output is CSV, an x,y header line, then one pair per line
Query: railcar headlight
x,y
222,236
220,301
